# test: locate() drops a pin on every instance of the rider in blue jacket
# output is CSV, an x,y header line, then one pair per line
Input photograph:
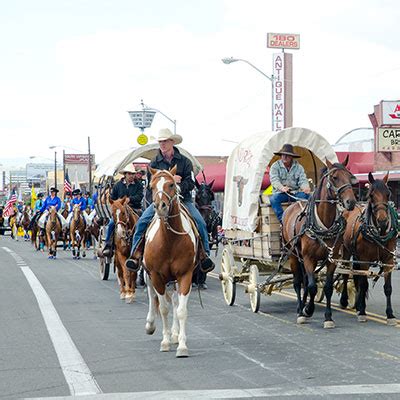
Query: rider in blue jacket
x,y
77,199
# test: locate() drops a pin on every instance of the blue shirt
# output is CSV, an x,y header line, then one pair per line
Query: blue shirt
x,y
38,205
56,202
295,178
80,201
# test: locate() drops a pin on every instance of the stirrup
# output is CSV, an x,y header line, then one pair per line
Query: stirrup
x,y
132,264
207,265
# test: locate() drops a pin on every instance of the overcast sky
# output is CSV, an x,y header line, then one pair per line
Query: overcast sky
x,y
72,69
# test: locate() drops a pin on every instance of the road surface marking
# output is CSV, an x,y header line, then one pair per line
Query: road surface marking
x,y
77,374
303,392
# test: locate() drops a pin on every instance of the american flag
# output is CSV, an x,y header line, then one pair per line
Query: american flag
x,y
8,208
67,183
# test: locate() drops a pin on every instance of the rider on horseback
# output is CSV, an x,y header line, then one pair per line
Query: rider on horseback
x,y
77,199
167,157
131,187
51,201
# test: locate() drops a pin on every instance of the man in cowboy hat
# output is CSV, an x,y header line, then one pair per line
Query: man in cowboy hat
x,y
51,201
168,156
288,179
131,187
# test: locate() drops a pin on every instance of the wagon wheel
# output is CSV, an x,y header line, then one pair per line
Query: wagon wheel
x,y
104,268
227,282
351,293
253,290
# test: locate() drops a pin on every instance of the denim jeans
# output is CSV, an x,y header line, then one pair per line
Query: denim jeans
x,y
148,215
110,230
278,198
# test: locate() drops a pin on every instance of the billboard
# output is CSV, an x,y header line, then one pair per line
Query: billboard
x,y
283,41
391,112
389,139
78,159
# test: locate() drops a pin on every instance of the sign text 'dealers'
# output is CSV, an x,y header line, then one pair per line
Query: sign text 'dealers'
x,y
283,41
389,139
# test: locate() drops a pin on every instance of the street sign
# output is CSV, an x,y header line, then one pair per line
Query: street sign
x,y
283,41
389,139
142,119
142,139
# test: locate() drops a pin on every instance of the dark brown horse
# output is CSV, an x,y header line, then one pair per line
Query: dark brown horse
x,y
53,232
77,232
65,231
24,220
313,234
125,221
169,255
370,238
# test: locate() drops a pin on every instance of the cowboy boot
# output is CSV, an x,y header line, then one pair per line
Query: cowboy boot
x,y
206,264
133,262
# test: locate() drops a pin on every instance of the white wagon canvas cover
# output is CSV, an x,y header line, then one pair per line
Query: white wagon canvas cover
x,y
248,162
116,161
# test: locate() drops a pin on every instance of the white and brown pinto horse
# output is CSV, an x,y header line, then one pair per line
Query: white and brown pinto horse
x,y
125,221
169,256
77,232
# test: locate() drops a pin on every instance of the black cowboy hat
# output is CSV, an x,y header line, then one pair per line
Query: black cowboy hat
x,y
53,189
76,191
68,193
288,150
40,195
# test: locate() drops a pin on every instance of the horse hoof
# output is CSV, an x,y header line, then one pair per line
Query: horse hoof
x,y
174,339
182,353
391,321
84,255
129,299
361,318
122,296
150,328
165,346
302,319
329,324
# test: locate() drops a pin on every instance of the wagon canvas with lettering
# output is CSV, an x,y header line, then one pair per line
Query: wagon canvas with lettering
x,y
252,231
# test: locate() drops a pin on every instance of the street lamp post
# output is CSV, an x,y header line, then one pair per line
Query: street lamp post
x,y
231,60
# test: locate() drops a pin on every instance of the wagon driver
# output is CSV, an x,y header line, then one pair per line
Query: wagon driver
x,y
288,179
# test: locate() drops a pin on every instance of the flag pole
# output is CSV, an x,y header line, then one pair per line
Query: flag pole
x,y
63,174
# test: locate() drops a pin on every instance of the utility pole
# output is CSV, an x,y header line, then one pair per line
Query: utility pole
x,y
90,166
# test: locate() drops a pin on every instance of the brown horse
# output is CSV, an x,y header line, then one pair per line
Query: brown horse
x,y
53,231
25,220
125,221
370,238
65,231
37,237
313,234
169,255
77,232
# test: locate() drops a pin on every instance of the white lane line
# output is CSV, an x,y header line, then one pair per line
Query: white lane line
x,y
278,392
77,374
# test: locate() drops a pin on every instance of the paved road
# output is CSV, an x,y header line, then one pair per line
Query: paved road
x,y
64,332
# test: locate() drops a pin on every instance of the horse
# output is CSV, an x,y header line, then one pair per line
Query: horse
x,y
313,235
37,237
204,198
77,232
65,231
370,238
92,235
170,254
125,221
24,221
53,231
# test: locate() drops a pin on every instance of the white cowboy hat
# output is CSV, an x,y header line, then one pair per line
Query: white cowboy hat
x,y
165,134
128,168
